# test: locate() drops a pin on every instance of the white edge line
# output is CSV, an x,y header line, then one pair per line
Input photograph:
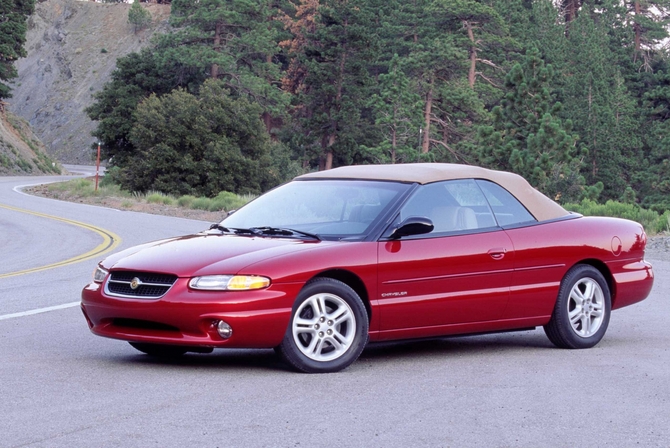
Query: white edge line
x,y
19,189
39,310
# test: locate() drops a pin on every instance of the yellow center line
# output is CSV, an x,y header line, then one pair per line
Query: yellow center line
x,y
109,242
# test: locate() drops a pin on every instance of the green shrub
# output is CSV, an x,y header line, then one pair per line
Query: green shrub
x,y
160,198
201,203
651,221
24,165
224,201
186,201
228,201
110,176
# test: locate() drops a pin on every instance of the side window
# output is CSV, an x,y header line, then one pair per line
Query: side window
x,y
453,206
507,209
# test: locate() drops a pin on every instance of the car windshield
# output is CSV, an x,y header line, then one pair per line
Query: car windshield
x,y
327,208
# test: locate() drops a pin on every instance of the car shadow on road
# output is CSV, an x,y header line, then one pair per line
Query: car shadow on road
x,y
461,345
379,352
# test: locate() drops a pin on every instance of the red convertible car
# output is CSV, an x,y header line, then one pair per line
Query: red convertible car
x,y
321,265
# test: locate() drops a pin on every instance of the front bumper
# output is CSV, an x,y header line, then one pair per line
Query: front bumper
x,y
183,316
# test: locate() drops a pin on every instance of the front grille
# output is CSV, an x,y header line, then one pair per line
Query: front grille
x,y
143,285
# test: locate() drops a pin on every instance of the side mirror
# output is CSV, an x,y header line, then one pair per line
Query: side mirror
x,y
414,225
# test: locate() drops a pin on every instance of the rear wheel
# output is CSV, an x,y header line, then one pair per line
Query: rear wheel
x,y
582,310
328,328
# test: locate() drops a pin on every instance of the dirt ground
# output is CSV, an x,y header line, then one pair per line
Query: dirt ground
x,y
658,247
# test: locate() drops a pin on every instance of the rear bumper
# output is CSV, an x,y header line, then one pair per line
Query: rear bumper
x,y
633,281
259,319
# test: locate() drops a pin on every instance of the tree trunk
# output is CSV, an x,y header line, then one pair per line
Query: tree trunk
x,y
217,46
332,137
571,7
269,123
393,144
638,31
425,146
473,54
594,149
329,152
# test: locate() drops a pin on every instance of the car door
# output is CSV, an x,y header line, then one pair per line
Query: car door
x,y
539,262
458,273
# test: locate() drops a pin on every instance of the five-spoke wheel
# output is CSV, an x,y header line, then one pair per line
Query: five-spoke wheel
x,y
328,329
582,310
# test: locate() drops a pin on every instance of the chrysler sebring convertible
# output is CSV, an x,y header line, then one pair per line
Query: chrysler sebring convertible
x,y
332,260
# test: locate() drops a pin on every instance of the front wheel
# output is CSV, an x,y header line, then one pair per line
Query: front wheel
x,y
328,328
582,310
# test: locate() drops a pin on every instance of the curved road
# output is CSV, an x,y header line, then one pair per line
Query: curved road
x,y
60,386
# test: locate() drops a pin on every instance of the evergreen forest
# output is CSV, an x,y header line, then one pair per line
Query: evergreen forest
x,y
242,95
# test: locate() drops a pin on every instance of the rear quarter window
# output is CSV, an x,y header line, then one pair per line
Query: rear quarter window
x,y
506,208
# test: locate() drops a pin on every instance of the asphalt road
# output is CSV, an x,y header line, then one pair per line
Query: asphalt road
x,y
60,386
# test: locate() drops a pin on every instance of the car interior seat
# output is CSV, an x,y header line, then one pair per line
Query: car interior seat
x,y
450,219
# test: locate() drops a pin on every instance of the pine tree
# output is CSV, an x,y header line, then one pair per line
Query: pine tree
x,y
483,30
334,59
13,16
649,20
138,17
527,136
603,112
654,182
233,41
397,108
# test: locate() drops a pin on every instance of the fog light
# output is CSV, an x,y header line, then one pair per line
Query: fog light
x,y
224,330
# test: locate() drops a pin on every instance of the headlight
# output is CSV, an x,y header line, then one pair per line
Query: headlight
x,y
229,282
99,274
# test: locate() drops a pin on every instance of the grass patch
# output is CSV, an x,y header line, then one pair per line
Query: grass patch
x,y
5,161
76,187
85,187
159,198
200,203
186,201
24,165
224,201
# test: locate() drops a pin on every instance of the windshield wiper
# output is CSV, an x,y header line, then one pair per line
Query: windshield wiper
x,y
221,228
265,230
283,232
311,235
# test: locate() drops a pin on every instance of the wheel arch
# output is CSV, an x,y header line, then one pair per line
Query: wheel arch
x,y
606,273
353,281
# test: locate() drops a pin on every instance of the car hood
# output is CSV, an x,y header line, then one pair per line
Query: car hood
x,y
204,254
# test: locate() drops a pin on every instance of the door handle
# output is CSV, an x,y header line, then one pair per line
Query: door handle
x,y
497,253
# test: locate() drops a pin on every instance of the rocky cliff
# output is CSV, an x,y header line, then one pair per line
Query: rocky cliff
x,y
72,49
21,152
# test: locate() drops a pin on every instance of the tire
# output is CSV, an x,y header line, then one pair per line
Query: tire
x,y
328,329
159,351
582,311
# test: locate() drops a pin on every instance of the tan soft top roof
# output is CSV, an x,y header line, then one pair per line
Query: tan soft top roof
x,y
540,206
